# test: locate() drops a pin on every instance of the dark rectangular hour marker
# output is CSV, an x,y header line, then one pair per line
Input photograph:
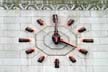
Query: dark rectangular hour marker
x,y
81,29
24,40
29,29
41,59
70,22
83,51
55,18
29,51
72,59
56,62
40,21
88,40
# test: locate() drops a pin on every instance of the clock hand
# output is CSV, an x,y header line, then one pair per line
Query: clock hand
x,y
55,20
83,51
56,35
56,38
62,41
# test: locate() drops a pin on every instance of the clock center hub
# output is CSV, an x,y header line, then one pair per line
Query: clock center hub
x,y
49,42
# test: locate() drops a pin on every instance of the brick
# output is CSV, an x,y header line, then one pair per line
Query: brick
x,y
14,34
95,33
13,61
92,20
99,13
101,68
26,13
11,19
100,48
96,41
3,27
100,55
84,13
2,13
25,20
100,62
95,47
8,40
99,26
1,20
9,47
11,33
100,40
10,68
10,54
12,13
10,27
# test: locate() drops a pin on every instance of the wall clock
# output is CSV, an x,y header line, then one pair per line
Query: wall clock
x,y
56,39
53,36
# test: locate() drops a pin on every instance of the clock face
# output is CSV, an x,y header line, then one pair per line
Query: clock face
x,y
45,43
56,35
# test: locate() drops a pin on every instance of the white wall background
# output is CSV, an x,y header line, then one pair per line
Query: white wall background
x,y
12,53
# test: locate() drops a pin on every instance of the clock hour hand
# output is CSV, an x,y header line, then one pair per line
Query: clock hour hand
x,y
56,35
55,21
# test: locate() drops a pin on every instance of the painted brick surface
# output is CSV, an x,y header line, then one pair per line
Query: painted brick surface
x,y
12,53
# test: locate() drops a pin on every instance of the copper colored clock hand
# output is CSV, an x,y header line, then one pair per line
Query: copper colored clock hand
x,y
62,41
55,20
83,51
56,35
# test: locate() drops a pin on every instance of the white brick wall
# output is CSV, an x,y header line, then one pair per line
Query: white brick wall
x,y
12,53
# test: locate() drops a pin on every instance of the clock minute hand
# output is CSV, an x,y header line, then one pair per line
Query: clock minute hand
x,y
83,51
56,35
62,41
